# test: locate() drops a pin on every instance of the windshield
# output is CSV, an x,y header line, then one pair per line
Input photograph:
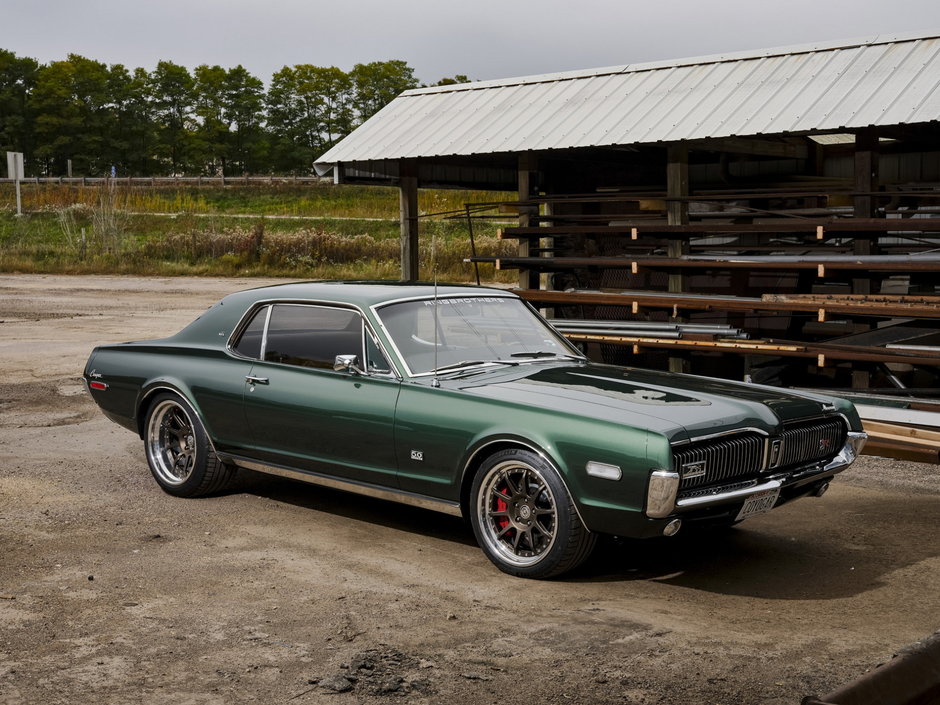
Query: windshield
x,y
460,332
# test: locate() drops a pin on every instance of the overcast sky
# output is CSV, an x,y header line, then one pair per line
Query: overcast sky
x,y
483,39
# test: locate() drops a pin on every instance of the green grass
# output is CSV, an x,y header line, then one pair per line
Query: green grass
x,y
314,200
321,232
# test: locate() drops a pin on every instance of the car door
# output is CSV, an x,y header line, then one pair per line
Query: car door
x,y
303,414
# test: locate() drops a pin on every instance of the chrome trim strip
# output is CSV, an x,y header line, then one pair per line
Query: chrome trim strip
x,y
415,500
854,442
727,496
742,429
264,331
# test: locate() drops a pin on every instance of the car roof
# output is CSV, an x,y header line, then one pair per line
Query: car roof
x,y
216,324
360,293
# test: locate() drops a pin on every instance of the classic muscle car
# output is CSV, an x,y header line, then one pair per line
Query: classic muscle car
x,y
466,401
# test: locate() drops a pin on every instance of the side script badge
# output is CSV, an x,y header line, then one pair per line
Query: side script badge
x,y
417,455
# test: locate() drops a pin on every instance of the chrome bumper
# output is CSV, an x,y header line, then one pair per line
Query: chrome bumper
x,y
854,443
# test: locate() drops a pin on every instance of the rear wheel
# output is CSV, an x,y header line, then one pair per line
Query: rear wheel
x,y
524,518
179,453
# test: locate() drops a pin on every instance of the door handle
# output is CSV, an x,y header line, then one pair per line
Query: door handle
x,y
251,379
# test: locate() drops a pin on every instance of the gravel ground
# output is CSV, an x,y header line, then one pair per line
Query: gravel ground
x,y
114,592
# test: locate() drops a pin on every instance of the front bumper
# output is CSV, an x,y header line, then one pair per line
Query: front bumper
x,y
660,502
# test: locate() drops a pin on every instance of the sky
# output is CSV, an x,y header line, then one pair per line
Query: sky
x,y
483,39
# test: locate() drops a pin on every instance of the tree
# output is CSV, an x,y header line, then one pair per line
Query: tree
x,y
453,81
171,89
211,133
131,143
309,110
17,81
72,116
378,83
242,110
327,96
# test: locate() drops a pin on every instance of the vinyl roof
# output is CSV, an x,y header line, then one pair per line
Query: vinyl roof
x,y
837,86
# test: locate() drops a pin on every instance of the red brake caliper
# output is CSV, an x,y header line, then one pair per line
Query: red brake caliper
x,y
501,506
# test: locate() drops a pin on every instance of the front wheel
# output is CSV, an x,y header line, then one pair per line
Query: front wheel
x,y
524,519
179,453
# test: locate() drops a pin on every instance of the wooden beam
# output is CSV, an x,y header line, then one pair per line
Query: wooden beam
x,y
708,302
846,227
677,213
865,205
408,218
528,188
885,263
783,148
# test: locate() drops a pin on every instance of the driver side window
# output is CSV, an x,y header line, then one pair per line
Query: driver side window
x,y
312,336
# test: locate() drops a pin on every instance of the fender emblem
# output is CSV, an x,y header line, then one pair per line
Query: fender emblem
x,y
417,455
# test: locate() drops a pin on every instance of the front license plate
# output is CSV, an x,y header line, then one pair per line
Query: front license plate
x,y
758,504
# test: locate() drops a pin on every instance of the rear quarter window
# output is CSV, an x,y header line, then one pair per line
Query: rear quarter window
x,y
249,341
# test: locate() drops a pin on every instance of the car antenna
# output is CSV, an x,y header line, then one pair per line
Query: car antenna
x,y
435,382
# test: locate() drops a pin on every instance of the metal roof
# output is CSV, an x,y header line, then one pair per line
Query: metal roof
x,y
884,80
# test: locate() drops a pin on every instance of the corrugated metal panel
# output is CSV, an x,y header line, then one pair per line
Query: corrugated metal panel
x,y
814,88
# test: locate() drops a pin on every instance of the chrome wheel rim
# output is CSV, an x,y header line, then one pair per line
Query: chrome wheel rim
x,y
171,443
517,513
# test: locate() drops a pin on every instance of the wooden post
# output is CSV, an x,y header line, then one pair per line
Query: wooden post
x,y
866,182
528,188
677,213
408,216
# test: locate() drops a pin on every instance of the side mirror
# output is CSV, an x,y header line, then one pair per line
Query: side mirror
x,y
347,363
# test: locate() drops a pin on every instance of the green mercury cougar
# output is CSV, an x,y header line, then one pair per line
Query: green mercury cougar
x,y
465,401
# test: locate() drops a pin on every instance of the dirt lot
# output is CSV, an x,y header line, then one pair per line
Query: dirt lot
x,y
113,592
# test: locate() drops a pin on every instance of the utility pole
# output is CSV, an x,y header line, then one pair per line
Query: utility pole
x,y
15,172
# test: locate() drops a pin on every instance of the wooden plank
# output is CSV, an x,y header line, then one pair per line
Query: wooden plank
x,y
881,298
691,262
885,430
821,353
902,451
843,226
701,302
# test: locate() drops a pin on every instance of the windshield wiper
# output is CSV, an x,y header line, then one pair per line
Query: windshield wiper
x,y
471,363
544,353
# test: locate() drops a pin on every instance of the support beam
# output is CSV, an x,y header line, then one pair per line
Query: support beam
x,y
677,213
408,216
528,188
784,148
866,183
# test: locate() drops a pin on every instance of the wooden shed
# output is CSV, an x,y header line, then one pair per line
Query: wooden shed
x,y
776,212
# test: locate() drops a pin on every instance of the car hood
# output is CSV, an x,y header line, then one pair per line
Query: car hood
x,y
678,406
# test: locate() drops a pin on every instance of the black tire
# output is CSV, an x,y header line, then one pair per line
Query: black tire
x,y
524,519
180,456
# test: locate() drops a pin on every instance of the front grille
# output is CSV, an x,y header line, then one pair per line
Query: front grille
x,y
741,456
812,441
724,458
